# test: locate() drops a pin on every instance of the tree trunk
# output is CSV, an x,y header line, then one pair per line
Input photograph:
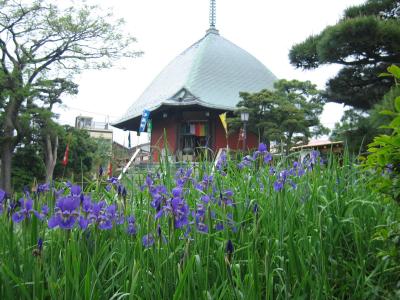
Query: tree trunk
x,y
268,144
6,156
289,142
7,147
51,157
9,141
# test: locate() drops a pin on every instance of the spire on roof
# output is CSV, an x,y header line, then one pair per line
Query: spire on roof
x,y
212,14
213,17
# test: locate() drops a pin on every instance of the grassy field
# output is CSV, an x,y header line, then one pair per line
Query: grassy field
x,y
251,229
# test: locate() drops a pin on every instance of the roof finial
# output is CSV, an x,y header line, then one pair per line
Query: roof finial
x,y
213,17
213,8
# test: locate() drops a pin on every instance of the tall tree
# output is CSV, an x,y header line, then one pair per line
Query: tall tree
x,y
365,42
49,92
287,114
42,42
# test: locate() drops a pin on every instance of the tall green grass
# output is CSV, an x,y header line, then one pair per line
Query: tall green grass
x,y
317,241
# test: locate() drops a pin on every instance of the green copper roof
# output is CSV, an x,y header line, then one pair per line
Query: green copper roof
x,y
210,73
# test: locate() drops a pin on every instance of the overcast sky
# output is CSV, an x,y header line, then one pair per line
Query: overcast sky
x,y
164,28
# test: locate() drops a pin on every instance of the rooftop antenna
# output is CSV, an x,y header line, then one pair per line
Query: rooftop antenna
x,y
213,17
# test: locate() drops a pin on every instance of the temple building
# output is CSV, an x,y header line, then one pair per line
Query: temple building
x,y
187,97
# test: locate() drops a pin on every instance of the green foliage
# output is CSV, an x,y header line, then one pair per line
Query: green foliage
x,y
42,46
103,154
384,160
82,151
287,114
328,239
28,166
356,130
365,43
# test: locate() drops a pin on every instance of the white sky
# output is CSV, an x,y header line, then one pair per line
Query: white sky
x,y
266,29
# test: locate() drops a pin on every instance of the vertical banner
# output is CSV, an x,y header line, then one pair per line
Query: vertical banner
x,y
65,158
225,125
143,121
149,126
109,169
223,121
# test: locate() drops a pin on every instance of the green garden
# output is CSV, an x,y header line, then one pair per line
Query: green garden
x,y
251,224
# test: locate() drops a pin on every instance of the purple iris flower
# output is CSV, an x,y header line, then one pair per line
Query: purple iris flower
x,y
231,223
40,244
278,185
102,215
267,157
75,190
180,210
177,191
182,176
25,211
68,184
131,230
226,197
293,184
200,218
66,213
262,151
83,222
2,198
124,192
149,181
113,180
205,183
101,171
314,156
43,213
58,193
108,187
159,196
119,189
221,163
219,226
105,224
229,247
148,240
272,171
205,199
262,148
42,188
255,208
247,161
2,195
86,205
111,212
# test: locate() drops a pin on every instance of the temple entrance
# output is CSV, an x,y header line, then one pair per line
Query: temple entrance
x,y
194,140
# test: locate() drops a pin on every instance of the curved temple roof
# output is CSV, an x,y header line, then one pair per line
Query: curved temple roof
x,y
210,73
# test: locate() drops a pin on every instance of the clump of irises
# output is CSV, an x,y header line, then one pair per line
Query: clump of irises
x,y
211,206
73,209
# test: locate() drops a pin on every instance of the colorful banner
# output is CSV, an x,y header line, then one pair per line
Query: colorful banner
x,y
223,121
149,126
65,159
143,121
198,129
